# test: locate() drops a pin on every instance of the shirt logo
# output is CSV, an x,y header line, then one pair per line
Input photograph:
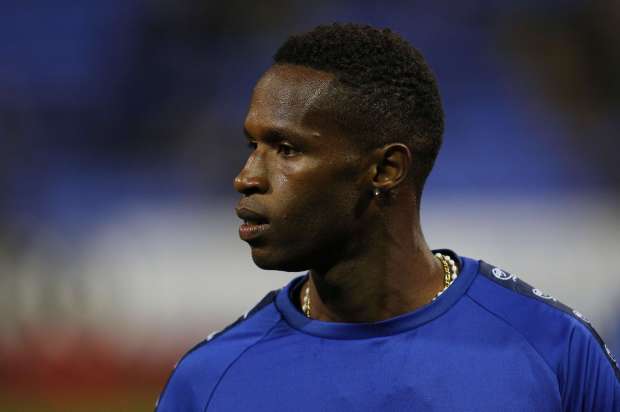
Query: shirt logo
x,y
212,334
501,275
580,316
543,295
610,355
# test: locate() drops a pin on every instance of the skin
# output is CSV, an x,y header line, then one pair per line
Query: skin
x,y
366,254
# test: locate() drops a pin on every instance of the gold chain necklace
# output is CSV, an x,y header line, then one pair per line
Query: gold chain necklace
x,y
450,273
306,304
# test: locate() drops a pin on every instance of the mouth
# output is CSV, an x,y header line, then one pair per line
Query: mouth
x,y
254,224
248,231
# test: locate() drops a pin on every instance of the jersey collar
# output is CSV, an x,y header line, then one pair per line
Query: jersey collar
x,y
398,324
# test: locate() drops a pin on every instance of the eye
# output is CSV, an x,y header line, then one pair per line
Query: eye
x,y
287,150
252,145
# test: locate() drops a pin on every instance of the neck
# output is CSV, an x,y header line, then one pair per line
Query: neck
x,y
396,274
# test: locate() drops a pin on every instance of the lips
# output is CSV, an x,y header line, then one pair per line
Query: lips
x,y
250,216
254,224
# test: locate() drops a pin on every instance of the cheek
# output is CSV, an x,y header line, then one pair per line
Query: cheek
x,y
316,206
313,193
280,181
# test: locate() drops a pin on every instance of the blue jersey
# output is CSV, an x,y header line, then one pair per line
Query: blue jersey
x,y
490,342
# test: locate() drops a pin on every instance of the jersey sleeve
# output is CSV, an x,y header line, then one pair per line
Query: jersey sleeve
x,y
592,379
198,373
179,395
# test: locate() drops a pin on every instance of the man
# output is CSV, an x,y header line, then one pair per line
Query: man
x,y
344,129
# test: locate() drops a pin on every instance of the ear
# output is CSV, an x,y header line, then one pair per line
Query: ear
x,y
391,168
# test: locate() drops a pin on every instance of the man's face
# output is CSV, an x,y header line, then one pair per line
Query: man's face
x,y
303,183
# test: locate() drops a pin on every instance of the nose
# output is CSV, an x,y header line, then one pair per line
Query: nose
x,y
251,179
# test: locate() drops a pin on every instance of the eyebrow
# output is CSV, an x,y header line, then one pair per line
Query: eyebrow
x,y
273,135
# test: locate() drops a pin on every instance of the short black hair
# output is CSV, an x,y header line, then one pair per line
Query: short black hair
x,y
384,90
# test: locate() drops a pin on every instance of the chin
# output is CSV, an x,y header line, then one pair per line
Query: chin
x,y
269,261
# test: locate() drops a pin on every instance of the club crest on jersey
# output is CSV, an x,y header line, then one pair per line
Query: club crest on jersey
x,y
501,275
543,295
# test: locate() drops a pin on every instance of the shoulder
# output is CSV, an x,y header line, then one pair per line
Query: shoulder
x,y
562,336
196,375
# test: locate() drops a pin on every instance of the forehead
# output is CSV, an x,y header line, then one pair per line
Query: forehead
x,y
285,95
